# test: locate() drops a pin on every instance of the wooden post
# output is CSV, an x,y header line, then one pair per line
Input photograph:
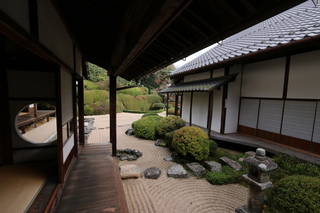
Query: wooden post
x,y
167,108
181,103
210,110
176,104
113,112
81,112
74,108
223,105
190,115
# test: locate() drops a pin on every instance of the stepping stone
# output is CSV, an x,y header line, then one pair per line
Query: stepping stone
x,y
213,166
168,158
152,173
233,164
177,171
129,132
196,169
130,171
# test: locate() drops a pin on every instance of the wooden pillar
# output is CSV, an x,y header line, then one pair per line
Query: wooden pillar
x,y
167,107
210,110
113,112
81,111
223,107
59,127
176,104
74,108
190,115
5,131
181,102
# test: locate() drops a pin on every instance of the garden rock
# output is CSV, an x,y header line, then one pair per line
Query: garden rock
x,y
233,164
158,142
168,158
129,132
128,154
196,169
213,166
152,173
130,171
177,171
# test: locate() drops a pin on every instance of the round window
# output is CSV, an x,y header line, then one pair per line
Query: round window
x,y
36,123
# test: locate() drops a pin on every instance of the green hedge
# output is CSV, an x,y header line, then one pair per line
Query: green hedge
x,y
169,124
150,114
135,91
157,106
188,141
227,176
299,194
146,127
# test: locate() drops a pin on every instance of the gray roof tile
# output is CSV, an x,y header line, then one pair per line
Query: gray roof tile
x,y
294,24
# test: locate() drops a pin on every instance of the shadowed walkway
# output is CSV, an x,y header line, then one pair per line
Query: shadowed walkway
x,y
94,184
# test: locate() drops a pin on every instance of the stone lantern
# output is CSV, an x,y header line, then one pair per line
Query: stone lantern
x,y
258,179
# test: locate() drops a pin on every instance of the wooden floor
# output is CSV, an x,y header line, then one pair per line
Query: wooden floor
x,y
94,184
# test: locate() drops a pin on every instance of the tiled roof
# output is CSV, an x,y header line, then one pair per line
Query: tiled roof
x,y
294,24
200,86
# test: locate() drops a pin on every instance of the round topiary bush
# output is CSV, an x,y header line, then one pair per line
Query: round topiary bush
x,y
146,127
191,141
298,194
169,124
150,114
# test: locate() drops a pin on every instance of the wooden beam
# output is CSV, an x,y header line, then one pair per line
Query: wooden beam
x,y
33,19
286,77
74,119
113,112
181,103
81,111
190,113
169,11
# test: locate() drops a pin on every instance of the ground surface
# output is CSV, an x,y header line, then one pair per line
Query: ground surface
x,y
166,195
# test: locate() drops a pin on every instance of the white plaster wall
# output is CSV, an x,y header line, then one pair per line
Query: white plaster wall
x,y
18,10
53,33
200,108
304,76
23,84
249,112
264,79
218,73
216,112
186,107
197,76
232,101
66,96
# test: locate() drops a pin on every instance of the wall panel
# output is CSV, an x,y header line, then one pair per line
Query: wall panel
x,y
249,112
216,112
66,96
304,76
270,115
186,106
264,79
298,119
200,108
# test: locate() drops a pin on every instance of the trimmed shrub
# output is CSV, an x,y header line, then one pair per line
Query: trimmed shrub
x,y
146,127
171,110
298,194
227,176
169,124
135,91
188,141
150,114
157,106
168,137
213,146
88,110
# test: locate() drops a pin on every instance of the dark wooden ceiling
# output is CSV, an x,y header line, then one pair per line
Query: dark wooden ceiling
x,y
137,37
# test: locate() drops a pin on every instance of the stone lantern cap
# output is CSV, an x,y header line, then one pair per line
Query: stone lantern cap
x,y
261,162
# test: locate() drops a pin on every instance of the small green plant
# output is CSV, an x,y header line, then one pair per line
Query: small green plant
x,y
169,124
146,127
227,176
298,194
188,141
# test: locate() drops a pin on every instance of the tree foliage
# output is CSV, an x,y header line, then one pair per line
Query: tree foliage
x,y
158,80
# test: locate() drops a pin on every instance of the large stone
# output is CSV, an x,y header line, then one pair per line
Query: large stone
x,y
233,164
152,173
130,171
177,171
129,132
168,158
213,166
128,154
196,169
